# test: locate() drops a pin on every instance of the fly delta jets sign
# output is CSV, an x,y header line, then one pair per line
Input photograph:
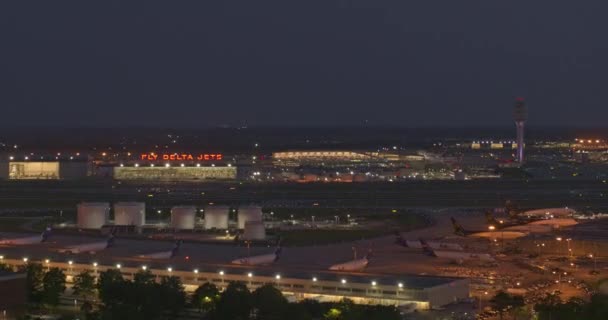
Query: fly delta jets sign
x,y
181,156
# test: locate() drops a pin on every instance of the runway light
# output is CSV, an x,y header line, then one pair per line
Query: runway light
x,y
314,279
221,273
400,285
250,274
343,281
278,277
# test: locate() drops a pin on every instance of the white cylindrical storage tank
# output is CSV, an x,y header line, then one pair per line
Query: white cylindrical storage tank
x,y
130,213
216,217
182,217
254,230
92,215
248,213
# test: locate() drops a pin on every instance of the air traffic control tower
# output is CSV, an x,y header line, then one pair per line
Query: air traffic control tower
x,y
520,115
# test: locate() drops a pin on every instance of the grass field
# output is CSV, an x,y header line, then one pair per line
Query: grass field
x,y
380,224
13,223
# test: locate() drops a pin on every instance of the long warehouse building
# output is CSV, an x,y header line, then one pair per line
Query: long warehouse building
x,y
420,292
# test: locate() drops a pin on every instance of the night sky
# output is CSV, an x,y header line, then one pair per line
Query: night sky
x,y
208,63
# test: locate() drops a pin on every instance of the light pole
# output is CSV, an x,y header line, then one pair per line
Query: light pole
x,y
592,256
479,305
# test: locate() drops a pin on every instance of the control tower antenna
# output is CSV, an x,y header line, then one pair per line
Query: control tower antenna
x,y
520,115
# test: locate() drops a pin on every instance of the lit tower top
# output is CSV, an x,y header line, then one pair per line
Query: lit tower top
x,y
520,112
520,115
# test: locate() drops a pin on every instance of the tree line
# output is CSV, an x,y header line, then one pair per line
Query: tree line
x,y
551,307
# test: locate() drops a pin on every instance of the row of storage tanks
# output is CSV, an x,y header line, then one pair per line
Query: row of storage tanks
x,y
93,215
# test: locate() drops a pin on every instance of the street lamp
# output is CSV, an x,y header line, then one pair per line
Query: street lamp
x,y
592,256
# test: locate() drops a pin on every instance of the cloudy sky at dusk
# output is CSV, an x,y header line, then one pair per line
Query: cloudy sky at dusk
x,y
205,63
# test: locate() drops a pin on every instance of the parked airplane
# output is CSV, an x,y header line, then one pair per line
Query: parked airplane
x,y
419,244
353,265
28,240
515,212
263,259
91,248
538,225
491,234
462,256
165,254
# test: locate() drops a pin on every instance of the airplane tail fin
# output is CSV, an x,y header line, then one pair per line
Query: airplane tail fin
x,y
399,239
277,253
45,234
511,208
176,247
369,254
490,218
458,229
110,241
425,246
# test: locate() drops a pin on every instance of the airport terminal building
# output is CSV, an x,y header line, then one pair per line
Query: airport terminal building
x,y
44,170
415,292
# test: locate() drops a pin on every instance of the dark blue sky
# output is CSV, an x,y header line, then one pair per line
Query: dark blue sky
x,y
199,63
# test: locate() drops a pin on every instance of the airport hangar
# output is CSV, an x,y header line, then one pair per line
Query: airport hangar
x,y
419,292
147,167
